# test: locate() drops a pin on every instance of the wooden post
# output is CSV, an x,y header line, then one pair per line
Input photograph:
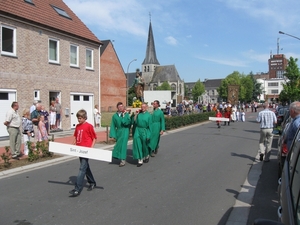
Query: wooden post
x,y
106,134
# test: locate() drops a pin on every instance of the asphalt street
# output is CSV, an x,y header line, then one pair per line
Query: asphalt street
x,y
200,176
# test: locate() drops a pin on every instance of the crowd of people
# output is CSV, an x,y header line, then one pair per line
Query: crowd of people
x,y
33,126
146,131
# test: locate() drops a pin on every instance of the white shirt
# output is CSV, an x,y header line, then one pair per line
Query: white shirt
x,y
13,118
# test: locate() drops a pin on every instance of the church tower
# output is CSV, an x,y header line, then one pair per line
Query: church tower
x,y
150,62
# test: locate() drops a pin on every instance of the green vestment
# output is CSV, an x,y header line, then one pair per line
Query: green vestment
x,y
141,135
119,130
157,125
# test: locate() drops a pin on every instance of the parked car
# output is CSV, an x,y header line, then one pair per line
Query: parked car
x,y
289,189
280,114
282,147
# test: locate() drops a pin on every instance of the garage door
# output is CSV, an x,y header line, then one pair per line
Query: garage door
x,y
6,98
81,101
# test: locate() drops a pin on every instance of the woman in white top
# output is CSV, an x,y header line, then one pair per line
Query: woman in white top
x,y
97,116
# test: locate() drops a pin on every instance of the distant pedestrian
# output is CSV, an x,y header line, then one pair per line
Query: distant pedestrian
x,y
45,113
243,116
219,115
13,124
119,130
267,119
84,136
295,114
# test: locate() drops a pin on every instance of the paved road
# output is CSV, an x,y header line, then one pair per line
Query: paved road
x,y
195,179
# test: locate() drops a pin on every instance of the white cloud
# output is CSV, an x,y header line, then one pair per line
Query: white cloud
x,y
277,12
171,40
229,62
114,16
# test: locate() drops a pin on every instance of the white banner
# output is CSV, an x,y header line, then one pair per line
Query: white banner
x,y
218,119
85,152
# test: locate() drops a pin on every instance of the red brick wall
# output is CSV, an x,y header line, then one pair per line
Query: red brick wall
x,y
113,80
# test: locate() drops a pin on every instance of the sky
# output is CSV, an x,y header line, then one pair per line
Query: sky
x,y
204,39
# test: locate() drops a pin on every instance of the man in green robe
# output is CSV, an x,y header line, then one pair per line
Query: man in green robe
x,y
119,130
157,128
141,136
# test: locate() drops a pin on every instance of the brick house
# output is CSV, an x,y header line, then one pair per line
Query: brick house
x,y
47,52
113,79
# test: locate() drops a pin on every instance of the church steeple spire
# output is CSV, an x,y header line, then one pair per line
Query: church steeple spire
x,y
150,51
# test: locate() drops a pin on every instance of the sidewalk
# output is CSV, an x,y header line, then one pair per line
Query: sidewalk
x,y
65,137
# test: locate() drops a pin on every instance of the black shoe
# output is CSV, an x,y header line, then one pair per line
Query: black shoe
x,y
218,126
261,157
156,151
152,154
146,160
139,164
74,193
15,157
91,187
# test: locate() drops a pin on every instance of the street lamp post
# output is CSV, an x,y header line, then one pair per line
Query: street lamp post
x,y
127,81
280,32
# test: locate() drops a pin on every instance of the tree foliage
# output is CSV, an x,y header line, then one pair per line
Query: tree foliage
x,y
291,89
198,90
165,86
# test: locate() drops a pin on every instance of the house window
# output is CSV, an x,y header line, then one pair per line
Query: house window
x,y
4,96
86,98
275,91
273,84
36,95
8,41
76,97
53,51
89,59
173,87
74,55
61,12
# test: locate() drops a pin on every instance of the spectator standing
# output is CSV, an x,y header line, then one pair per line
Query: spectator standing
x,y
141,135
34,116
157,128
84,136
13,124
32,108
42,132
267,119
52,110
27,129
119,130
45,113
58,113
97,116
295,114
168,109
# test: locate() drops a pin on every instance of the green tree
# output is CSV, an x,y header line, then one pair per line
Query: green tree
x,y
231,79
257,88
165,86
246,88
198,90
291,89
